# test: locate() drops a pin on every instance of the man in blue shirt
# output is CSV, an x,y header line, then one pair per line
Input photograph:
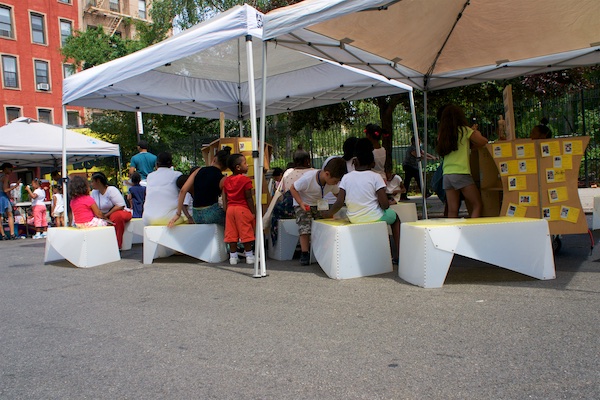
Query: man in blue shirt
x,y
143,162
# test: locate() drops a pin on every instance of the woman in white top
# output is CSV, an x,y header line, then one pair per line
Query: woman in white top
x,y
374,133
162,193
111,203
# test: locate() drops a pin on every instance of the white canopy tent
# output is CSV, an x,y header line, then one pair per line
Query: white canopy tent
x,y
26,142
209,69
438,44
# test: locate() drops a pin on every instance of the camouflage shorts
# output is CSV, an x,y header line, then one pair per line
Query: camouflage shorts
x,y
304,218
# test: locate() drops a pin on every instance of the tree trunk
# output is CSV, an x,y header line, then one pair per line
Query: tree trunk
x,y
387,105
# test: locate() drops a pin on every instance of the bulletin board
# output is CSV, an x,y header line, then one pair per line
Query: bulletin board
x,y
540,180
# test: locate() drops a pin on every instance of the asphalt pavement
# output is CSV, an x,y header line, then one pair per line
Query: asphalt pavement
x,y
183,329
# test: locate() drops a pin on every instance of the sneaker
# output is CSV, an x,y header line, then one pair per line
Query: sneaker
x,y
44,235
305,259
250,260
37,236
233,260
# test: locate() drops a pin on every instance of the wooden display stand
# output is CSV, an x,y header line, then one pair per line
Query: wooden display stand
x,y
242,145
538,179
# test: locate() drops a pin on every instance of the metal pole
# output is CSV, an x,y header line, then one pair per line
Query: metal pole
x,y
64,163
259,242
583,133
418,150
261,156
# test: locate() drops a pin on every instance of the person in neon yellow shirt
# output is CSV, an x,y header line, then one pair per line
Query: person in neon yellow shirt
x,y
455,141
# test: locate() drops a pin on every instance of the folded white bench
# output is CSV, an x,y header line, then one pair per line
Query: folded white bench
x,y
83,248
519,244
201,241
287,240
345,250
133,234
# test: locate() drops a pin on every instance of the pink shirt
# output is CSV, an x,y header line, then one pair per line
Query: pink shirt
x,y
82,209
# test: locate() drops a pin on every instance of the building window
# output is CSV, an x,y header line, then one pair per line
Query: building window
x,y
68,70
6,24
66,29
65,1
45,116
9,72
42,79
12,113
38,33
142,9
73,118
114,6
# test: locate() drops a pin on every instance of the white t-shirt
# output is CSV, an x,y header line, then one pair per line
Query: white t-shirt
x,y
188,201
162,196
380,156
361,195
112,197
394,184
39,200
309,189
330,197
59,205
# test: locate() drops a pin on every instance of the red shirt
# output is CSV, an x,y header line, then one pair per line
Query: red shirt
x,y
82,209
235,187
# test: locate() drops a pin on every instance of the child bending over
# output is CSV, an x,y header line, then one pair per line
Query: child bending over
x,y
86,213
309,198
364,193
239,209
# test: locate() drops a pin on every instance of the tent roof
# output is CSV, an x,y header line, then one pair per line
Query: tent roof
x,y
203,71
26,142
436,44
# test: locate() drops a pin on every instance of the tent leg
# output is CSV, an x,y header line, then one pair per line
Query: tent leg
x,y
64,163
259,238
418,147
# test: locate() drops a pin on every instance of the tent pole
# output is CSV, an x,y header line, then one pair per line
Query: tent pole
x,y
259,245
64,163
418,149
424,159
261,156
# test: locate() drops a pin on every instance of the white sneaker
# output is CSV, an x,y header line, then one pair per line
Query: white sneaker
x,y
37,236
44,235
233,260
250,259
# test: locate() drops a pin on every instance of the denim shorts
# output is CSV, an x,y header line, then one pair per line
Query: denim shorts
x,y
209,215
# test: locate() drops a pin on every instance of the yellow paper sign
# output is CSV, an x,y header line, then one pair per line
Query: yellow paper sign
x,y
528,199
515,210
558,194
525,150
245,145
517,183
551,213
570,214
574,147
526,166
564,162
502,150
263,198
555,175
550,149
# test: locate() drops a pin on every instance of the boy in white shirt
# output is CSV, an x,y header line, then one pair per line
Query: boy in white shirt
x,y
394,186
309,199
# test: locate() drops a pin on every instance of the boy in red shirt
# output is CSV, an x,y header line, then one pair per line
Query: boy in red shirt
x,y
239,209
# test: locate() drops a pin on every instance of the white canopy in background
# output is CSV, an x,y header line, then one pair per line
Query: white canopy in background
x,y
25,142
437,44
203,71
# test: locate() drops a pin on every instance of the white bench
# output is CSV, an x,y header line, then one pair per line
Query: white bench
x,y
407,212
201,241
83,248
133,234
287,240
519,244
345,250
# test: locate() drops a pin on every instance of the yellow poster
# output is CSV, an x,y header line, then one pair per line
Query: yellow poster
x,y
502,150
551,213
528,199
570,214
525,150
517,183
245,145
526,166
550,149
515,210
574,147
563,162
555,175
558,194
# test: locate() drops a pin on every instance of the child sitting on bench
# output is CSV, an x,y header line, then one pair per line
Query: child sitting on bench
x,y
309,199
364,193
86,213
